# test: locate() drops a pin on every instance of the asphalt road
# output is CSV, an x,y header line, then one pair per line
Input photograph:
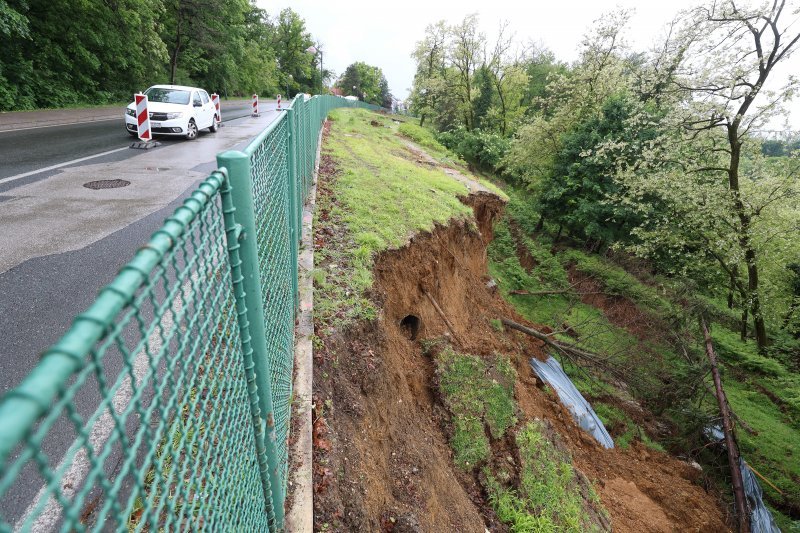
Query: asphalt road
x,y
60,243
26,150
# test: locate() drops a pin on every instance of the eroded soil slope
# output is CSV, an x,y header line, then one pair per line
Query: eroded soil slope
x,y
383,457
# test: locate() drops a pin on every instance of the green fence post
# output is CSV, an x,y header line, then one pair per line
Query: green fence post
x,y
237,165
296,208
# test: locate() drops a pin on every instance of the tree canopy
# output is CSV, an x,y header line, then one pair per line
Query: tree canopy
x,y
367,83
55,53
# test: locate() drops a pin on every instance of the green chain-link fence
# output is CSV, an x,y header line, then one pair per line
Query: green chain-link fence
x,y
166,406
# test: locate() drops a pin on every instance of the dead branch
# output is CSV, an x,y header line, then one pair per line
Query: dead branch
x,y
444,317
730,441
520,292
568,349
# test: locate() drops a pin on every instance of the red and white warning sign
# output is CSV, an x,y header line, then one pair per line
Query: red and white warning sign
x,y
255,105
143,119
279,102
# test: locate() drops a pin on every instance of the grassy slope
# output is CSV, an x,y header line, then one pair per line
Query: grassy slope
x,y
382,198
761,390
479,393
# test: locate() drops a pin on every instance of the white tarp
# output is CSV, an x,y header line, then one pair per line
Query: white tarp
x,y
552,373
761,520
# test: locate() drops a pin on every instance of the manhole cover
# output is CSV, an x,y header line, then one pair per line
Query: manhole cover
x,y
106,184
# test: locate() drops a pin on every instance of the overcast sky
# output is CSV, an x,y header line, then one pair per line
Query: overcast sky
x,y
384,34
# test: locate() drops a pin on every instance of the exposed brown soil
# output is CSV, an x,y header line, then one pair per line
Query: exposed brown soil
x,y
382,460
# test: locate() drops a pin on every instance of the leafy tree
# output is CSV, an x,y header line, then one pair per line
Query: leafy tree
x,y
574,96
291,40
12,22
68,53
466,45
55,53
366,82
575,195
728,98
429,85
483,102
540,66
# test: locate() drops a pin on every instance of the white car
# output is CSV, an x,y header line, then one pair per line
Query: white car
x,y
175,110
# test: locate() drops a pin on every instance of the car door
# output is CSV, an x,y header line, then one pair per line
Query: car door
x,y
198,111
208,109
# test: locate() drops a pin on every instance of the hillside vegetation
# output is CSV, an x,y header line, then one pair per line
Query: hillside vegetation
x,y
645,201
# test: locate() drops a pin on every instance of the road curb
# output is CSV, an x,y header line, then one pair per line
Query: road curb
x,y
300,515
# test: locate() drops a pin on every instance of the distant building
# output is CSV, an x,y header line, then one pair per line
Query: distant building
x,y
337,91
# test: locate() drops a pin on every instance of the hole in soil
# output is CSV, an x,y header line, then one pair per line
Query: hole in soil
x,y
411,326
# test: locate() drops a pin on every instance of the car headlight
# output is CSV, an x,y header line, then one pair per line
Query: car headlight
x,y
170,116
130,112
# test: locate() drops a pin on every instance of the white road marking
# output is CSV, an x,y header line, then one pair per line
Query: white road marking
x,y
63,124
53,167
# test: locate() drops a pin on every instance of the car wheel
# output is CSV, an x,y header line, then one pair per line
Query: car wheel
x,y
214,125
191,130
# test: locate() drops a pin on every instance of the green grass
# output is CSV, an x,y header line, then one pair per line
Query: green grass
x,y
422,136
381,199
623,429
774,450
479,393
761,389
427,140
767,396
549,496
618,281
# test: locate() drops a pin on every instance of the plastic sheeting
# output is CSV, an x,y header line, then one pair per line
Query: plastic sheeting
x,y
761,520
552,373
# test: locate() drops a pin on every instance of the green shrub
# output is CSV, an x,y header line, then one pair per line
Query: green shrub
x,y
480,148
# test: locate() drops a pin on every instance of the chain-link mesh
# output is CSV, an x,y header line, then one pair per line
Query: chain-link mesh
x,y
141,417
139,437
269,168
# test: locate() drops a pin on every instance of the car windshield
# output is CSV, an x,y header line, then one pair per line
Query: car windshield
x,y
167,96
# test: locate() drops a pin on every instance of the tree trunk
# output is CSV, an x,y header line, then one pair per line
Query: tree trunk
x,y
539,224
758,318
502,108
422,120
742,515
743,326
744,236
173,60
788,317
730,291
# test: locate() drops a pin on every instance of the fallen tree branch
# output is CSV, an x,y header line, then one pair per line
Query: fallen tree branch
x,y
519,292
444,317
742,515
566,348
765,480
